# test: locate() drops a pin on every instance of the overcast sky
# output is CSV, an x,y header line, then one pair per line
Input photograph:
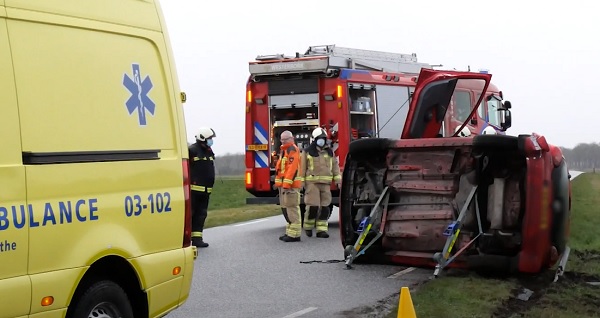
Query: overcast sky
x,y
544,55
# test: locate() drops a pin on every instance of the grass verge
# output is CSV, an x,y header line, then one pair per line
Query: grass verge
x,y
228,204
464,294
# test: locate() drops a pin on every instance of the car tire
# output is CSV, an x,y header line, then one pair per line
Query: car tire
x,y
369,145
103,299
495,142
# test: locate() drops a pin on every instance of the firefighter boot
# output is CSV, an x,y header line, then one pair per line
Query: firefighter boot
x,y
286,239
322,234
199,242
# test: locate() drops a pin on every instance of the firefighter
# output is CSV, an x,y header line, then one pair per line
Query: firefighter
x,y
202,171
289,184
319,169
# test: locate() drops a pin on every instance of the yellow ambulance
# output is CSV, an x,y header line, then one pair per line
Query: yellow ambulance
x,y
95,216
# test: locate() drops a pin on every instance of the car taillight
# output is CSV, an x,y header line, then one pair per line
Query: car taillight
x,y
187,227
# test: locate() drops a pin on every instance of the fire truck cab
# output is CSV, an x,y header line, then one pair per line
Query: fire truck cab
x,y
351,93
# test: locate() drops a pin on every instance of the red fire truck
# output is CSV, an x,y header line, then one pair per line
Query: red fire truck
x,y
352,93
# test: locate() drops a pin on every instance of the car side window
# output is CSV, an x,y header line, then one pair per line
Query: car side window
x,y
462,105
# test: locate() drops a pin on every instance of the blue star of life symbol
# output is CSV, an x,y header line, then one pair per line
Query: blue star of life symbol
x,y
139,99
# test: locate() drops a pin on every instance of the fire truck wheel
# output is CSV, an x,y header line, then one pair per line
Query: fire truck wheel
x,y
495,142
369,145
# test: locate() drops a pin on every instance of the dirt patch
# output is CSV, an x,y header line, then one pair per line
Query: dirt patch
x,y
547,294
513,306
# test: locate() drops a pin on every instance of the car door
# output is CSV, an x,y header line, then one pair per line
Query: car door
x,y
431,100
15,286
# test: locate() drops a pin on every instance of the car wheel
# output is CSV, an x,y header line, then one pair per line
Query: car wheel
x,y
369,145
495,142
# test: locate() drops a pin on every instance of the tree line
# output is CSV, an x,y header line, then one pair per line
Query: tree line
x,y
583,157
230,164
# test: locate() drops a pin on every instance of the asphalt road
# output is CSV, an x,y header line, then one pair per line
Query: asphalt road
x,y
247,272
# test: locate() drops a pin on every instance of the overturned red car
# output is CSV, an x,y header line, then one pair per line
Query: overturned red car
x,y
488,201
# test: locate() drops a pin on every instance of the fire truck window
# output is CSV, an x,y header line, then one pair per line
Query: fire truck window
x,y
462,105
492,110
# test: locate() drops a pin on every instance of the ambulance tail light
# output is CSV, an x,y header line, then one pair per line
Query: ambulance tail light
x,y
187,227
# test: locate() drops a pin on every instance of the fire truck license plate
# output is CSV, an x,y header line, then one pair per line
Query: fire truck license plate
x,y
257,147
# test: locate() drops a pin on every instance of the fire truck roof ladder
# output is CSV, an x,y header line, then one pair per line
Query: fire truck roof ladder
x,y
336,58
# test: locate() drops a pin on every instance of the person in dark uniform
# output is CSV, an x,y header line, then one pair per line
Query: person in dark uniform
x,y
202,170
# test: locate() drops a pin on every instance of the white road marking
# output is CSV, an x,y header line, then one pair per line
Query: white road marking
x,y
301,312
402,272
575,174
252,222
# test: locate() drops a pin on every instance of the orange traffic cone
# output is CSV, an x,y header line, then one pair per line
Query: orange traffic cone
x,y
406,308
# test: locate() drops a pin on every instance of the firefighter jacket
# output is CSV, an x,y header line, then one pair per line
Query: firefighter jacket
x,y
202,167
319,166
287,167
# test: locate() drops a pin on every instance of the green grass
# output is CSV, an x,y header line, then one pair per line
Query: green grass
x,y
228,192
476,296
228,204
451,297
585,225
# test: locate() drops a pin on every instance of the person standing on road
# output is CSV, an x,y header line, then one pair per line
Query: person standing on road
x,y
202,171
288,182
319,169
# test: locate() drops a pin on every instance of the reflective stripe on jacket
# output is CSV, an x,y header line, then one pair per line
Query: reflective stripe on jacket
x,y
322,168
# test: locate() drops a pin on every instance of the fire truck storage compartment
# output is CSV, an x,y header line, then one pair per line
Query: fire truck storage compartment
x,y
301,128
362,104
293,106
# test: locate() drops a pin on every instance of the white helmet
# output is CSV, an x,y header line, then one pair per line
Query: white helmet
x,y
489,130
465,132
205,133
319,132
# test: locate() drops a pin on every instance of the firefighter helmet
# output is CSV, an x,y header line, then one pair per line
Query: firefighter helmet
x,y
205,133
319,133
489,130
465,132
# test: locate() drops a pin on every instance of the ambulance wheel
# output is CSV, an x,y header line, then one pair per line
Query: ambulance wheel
x,y
103,299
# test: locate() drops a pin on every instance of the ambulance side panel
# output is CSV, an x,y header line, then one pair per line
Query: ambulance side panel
x,y
101,145
15,287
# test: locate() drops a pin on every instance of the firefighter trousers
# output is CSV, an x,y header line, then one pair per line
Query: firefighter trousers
x,y
317,197
289,200
200,201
